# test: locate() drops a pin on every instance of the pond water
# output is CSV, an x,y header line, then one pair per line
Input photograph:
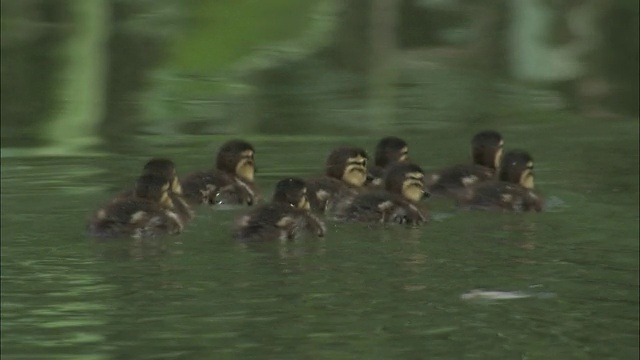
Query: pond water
x,y
370,293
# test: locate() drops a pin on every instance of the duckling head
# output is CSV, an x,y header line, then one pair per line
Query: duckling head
x,y
165,168
292,191
391,149
517,167
486,148
154,188
348,164
406,179
237,157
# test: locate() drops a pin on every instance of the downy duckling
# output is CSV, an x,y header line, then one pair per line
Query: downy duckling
x,y
486,152
345,173
232,180
389,150
398,202
149,212
513,191
166,169
284,218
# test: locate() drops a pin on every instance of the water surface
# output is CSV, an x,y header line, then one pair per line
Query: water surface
x,y
375,293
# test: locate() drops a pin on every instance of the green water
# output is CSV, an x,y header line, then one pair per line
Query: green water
x,y
361,293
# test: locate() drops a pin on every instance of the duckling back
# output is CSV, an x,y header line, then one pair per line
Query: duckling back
x,y
499,195
275,221
325,192
379,206
453,179
133,217
217,187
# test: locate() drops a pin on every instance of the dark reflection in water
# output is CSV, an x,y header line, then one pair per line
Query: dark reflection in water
x,y
132,58
29,70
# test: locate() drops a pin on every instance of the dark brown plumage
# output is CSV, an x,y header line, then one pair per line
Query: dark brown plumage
x,y
165,169
284,218
512,192
398,202
345,173
149,212
486,152
388,151
230,182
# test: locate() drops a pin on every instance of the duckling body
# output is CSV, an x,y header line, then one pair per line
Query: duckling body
x,y
146,214
325,192
164,168
380,206
388,151
500,195
458,177
397,202
284,218
345,175
486,151
218,187
231,182
514,191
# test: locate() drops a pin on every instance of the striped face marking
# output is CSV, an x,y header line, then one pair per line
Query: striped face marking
x,y
413,186
526,179
246,165
355,173
304,202
176,188
165,200
498,157
404,154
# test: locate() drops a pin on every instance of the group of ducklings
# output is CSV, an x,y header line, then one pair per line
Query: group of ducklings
x,y
390,191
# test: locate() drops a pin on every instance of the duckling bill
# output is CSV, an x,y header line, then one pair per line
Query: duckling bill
x,y
345,174
486,152
284,218
147,213
398,202
230,182
514,191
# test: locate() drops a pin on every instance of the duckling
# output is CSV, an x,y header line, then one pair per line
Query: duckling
x,y
389,150
486,152
345,173
232,180
513,191
283,218
166,169
397,202
147,213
